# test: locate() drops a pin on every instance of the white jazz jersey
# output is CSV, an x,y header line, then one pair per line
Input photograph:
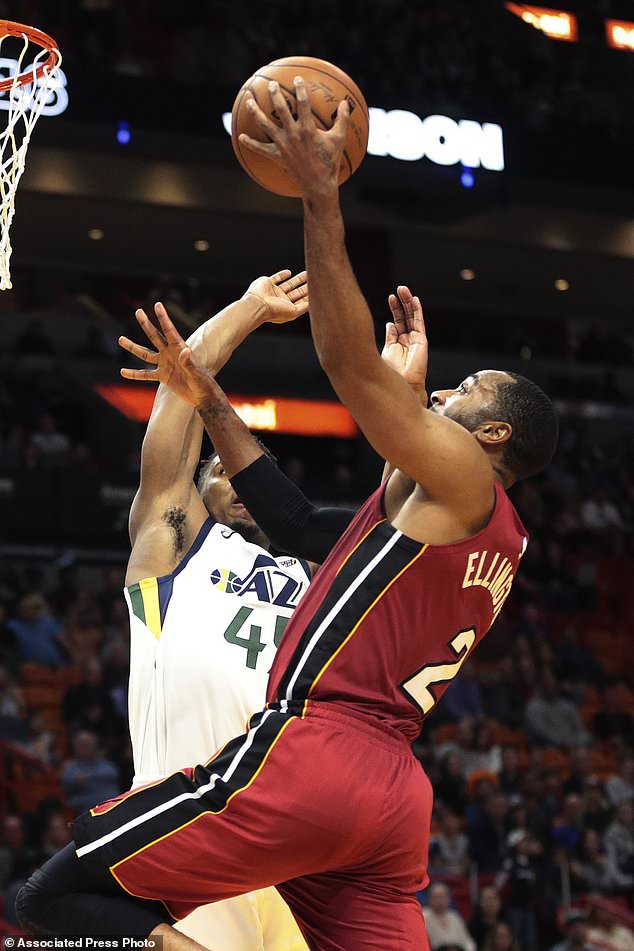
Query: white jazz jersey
x,y
203,639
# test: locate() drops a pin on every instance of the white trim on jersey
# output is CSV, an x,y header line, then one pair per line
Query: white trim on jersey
x,y
164,806
337,607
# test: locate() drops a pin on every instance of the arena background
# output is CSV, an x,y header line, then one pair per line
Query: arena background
x,y
132,194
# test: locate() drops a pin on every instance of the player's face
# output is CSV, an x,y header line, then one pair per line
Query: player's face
x,y
467,404
223,504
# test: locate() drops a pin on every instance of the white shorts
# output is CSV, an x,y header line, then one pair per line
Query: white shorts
x,y
257,921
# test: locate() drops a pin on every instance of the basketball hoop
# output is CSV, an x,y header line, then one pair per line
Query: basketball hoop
x,y
28,91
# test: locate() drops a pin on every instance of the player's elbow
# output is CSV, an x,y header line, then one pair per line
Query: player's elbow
x,y
331,358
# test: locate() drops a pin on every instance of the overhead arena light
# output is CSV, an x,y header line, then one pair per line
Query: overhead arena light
x,y
620,34
556,24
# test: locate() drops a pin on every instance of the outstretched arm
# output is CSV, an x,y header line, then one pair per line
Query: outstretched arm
x,y
167,512
440,455
289,519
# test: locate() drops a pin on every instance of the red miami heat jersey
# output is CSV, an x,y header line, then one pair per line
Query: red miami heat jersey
x,y
388,621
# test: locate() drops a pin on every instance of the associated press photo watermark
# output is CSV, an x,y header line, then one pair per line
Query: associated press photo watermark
x,y
82,943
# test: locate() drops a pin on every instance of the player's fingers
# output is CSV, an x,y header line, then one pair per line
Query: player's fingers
x,y
398,314
150,331
411,314
298,293
295,280
169,330
391,333
129,374
272,130
304,114
188,363
280,276
294,284
281,106
138,351
291,287
263,148
340,128
301,307
418,316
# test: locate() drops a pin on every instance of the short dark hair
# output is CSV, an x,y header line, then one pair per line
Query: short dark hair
x,y
211,460
532,415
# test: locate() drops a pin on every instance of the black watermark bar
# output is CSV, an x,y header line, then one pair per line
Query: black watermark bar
x,y
82,943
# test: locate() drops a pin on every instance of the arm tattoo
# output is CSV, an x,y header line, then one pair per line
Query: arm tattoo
x,y
324,157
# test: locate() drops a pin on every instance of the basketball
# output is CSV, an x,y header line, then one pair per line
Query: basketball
x,y
327,85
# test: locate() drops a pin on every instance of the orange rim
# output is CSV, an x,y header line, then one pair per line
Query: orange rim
x,y
9,28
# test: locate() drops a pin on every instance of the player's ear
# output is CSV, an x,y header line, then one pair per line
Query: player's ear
x,y
493,434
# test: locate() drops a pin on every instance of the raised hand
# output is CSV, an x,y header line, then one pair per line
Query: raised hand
x,y
405,348
284,296
310,156
173,361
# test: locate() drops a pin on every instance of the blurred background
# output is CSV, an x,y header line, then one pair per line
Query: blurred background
x,y
132,193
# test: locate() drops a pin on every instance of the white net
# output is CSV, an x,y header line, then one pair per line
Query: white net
x,y
23,103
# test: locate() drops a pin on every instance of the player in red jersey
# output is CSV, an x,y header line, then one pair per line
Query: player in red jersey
x,y
322,796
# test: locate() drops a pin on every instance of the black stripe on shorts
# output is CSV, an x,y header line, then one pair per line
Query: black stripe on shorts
x,y
156,811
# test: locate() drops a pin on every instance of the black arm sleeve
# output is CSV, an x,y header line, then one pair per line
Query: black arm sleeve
x,y
283,512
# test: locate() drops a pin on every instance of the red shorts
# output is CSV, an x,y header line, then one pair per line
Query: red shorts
x,y
331,810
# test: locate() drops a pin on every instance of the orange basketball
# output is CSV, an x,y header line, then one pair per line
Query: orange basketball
x,y
326,85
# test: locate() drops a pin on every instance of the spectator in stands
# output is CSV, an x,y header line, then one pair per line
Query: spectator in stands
x,y
463,697
605,931
486,914
37,631
592,868
116,658
39,741
9,653
568,828
482,753
619,840
580,771
501,938
83,635
552,721
620,787
502,701
11,698
597,811
599,514
612,723
88,777
56,835
17,859
451,787
575,933
574,663
510,776
487,832
444,925
87,705
51,446
449,850
518,881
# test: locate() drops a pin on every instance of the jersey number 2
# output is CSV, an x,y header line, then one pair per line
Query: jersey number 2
x,y
418,685
252,641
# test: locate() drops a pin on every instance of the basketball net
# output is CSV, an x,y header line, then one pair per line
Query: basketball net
x,y
28,91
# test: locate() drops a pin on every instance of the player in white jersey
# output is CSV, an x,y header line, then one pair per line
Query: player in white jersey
x,y
208,605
